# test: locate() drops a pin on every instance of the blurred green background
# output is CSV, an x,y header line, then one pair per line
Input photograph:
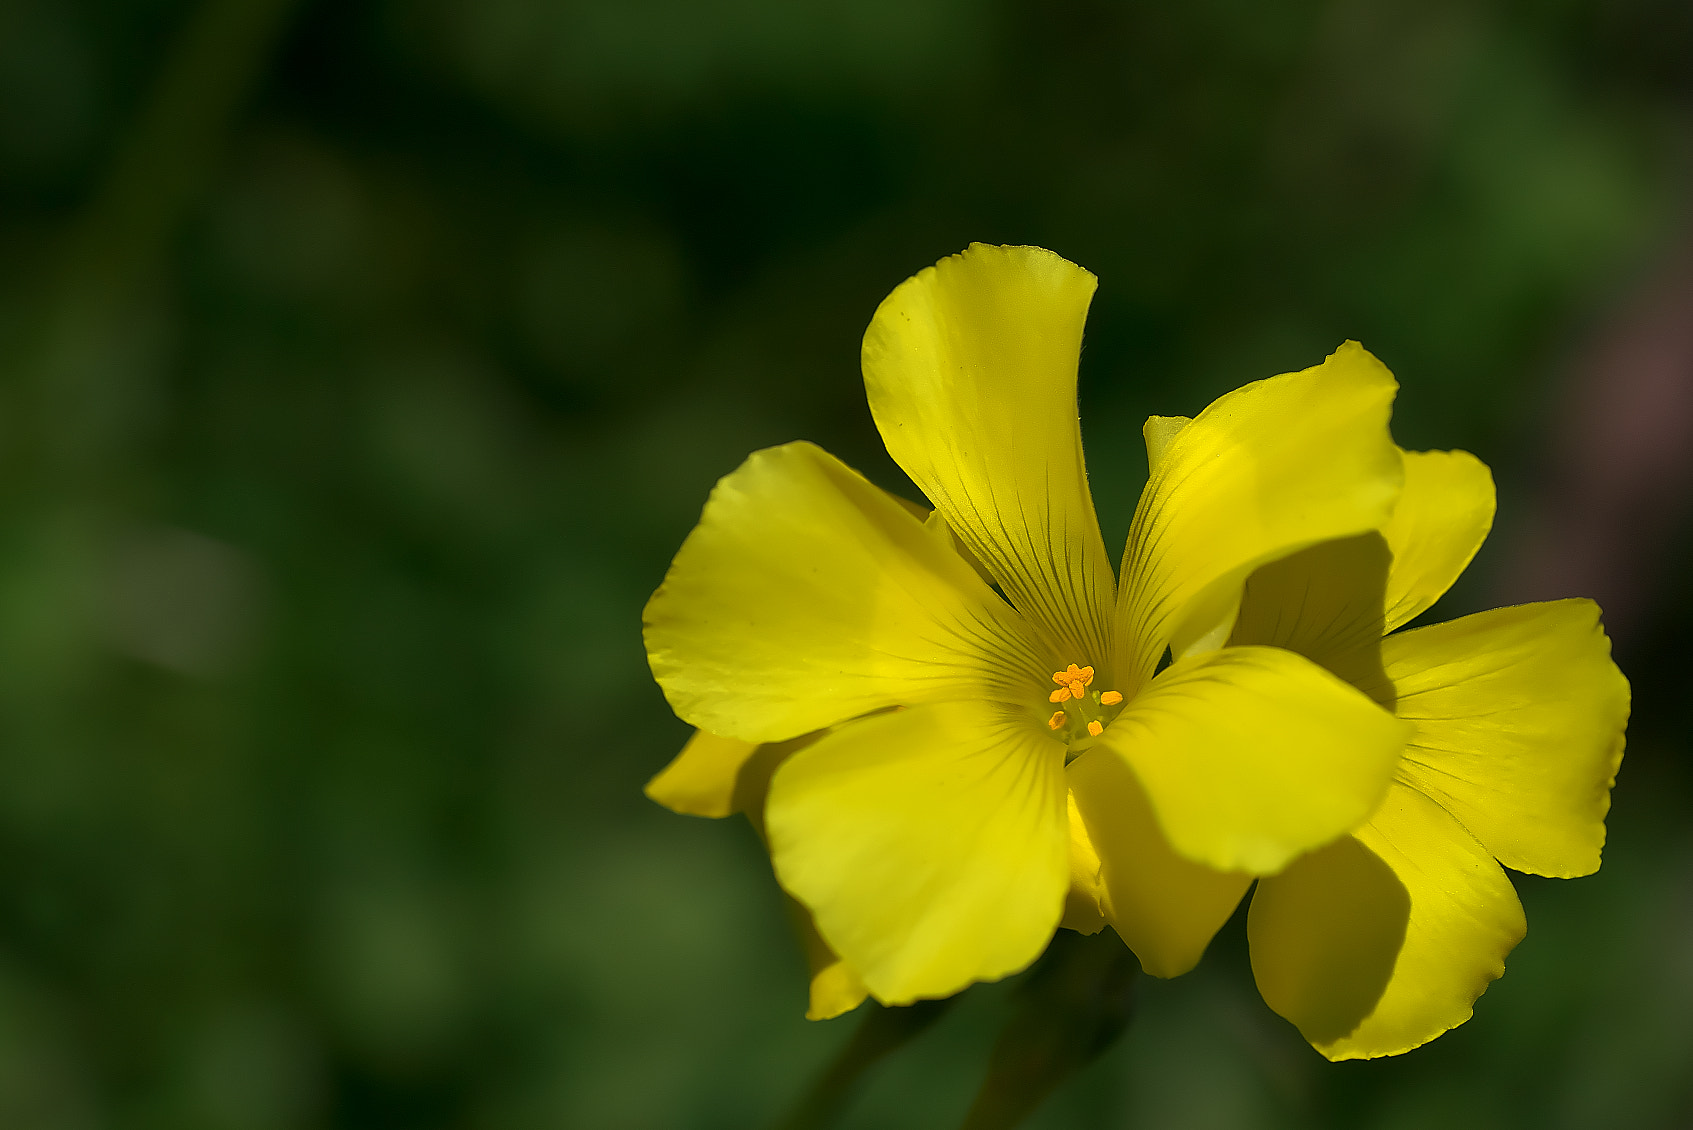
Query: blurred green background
x,y
362,364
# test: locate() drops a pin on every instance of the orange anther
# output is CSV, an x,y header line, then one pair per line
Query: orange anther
x,y
1073,674
1110,698
1095,728
1056,720
1070,682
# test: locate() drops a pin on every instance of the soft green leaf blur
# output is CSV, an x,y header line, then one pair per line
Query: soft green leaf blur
x,y
363,363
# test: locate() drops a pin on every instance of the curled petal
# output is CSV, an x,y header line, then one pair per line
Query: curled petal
x,y
1443,516
1158,432
970,367
1263,472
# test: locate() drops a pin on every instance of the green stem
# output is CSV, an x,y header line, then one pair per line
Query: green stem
x,y
881,1032
1074,1005
169,152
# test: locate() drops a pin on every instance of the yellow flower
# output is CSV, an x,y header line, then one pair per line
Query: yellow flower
x,y
1384,940
937,791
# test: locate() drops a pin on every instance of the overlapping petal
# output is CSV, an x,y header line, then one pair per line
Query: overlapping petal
x,y
1380,943
1417,895
1166,908
700,781
1519,716
1326,934
1334,601
970,367
835,988
930,844
1083,912
1443,516
1251,756
875,706
1239,486
715,776
1158,431
806,596
1327,603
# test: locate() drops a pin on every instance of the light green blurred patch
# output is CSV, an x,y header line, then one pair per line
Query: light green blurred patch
x,y
45,1081
253,1065
661,954
393,957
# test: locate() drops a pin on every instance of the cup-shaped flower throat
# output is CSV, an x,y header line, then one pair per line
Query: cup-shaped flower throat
x,y
984,691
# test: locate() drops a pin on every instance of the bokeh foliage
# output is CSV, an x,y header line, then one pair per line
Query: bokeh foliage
x,y
362,364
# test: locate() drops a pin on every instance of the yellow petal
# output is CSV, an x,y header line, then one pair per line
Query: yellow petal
x,y
1165,907
1082,911
1327,603
936,525
1251,756
806,596
1325,936
1158,431
1442,518
834,988
1334,601
970,368
1519,716
1264,471
700,781
1321,933
929,844
715,776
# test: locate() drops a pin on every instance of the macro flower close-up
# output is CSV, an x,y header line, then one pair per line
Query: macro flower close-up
x,y
972,564
977,705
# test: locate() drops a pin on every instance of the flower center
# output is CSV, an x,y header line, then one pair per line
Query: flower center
x,y
1085,712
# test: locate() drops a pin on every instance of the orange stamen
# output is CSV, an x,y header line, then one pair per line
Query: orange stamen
x,y
1074,674
1110,698
1056,720
1095,728
1071,682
